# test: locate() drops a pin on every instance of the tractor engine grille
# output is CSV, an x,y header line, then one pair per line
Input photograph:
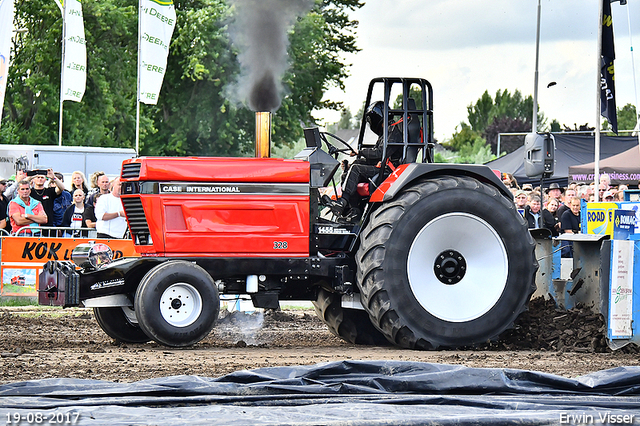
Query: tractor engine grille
x,y
137,220
131,170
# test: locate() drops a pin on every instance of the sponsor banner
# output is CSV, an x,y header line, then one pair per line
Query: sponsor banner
x,y
621,290
74,71
633,206
6,30
624,224
157,21
22,259
600,217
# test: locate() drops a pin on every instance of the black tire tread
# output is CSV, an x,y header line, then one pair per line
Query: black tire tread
x,y
372,251
351,325
114,323
149,316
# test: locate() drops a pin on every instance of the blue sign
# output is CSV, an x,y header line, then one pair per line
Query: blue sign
x,y
624,224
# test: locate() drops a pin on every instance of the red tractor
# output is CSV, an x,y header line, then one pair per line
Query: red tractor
x,y
18,280
436,254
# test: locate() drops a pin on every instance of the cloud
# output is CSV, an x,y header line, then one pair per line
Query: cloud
x,y
464,47
458,24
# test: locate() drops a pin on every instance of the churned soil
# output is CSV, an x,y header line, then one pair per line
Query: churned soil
x,y
40,343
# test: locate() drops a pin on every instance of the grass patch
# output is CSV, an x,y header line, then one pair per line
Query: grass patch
x,y
18,301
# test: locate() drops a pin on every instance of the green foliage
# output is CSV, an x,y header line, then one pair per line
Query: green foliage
x,y
346,121
627,118
555,126
288,151
507,113
193,115
465,147
461,138
18,301
476,152
486,110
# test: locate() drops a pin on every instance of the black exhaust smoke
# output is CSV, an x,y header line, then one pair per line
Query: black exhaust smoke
x,y
259,31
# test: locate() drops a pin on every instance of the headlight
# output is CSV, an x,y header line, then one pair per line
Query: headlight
x,y
90,255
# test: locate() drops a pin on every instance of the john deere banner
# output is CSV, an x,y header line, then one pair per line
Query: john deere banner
x,y
6,29
157,21
74,70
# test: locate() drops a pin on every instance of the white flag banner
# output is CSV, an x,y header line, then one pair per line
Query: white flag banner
x,y
6,30
157,21
74,71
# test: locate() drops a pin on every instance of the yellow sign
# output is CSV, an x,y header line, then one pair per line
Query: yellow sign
x,y
22,259
600,218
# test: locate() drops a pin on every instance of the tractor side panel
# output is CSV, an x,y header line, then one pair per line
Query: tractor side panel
x,y
229,225
197,207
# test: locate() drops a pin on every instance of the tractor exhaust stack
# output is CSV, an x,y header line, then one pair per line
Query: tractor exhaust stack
x,y
263,134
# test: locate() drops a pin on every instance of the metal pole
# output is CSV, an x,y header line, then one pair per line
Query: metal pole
x,y
596,171
138,86
64,36
633,75
535,79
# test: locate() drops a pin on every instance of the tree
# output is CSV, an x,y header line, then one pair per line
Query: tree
x,y
462,137
627,117
193,115
488,117
346,121
106,116
465,147
483,113
504,125
199,119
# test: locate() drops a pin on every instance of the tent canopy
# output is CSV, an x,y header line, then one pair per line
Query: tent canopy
x,y
571,150
623,168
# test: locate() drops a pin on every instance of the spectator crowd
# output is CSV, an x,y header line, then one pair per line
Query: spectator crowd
x,y
38,203
556,208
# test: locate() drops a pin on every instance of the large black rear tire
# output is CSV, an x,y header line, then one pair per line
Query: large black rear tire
x,y
177,303
448,262
119,325
351,325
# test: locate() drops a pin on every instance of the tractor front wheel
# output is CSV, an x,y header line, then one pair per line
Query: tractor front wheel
x,y
121,324
177,303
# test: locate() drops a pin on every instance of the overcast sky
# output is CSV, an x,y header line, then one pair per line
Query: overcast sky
x,y
464,47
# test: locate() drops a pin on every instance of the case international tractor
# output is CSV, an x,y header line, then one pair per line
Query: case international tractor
x,y
438,256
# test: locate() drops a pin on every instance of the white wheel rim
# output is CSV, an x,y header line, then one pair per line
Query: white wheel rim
x,y
485,276
180,305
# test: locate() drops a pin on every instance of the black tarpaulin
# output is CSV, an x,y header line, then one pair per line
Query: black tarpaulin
x,y
341,393
571,150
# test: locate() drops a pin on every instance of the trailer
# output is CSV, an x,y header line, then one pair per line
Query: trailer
x,y
63,159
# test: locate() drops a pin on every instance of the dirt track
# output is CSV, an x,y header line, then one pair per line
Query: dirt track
x,y
39,344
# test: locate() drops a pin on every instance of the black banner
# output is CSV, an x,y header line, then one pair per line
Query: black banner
x,y
607,75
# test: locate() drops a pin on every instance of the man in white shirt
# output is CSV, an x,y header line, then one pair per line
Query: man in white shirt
x,y
110,214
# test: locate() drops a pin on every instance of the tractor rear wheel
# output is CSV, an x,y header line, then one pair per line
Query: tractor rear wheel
x,y
448,262
351,325
120,323
177,303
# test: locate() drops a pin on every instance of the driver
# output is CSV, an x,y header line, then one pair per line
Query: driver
x,y
368,164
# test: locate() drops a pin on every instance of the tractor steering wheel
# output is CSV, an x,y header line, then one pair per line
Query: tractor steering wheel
x,y
335,151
